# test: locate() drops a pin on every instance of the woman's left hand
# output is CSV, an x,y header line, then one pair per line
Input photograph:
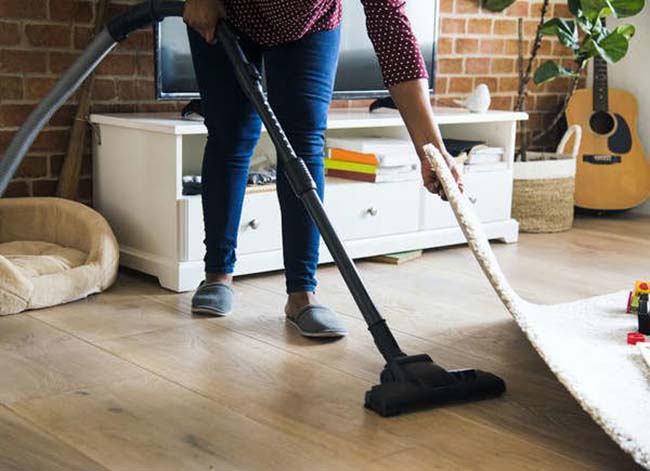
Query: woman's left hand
x,y
430,180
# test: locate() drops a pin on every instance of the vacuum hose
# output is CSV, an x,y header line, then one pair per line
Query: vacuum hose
x,y
140,16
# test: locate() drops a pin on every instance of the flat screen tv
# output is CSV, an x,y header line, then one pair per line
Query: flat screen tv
x,y
358,76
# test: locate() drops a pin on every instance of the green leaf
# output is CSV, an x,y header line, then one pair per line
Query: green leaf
x,y
585,23
594,9
497,5
625,8
613,47
549,71
626,30
565,30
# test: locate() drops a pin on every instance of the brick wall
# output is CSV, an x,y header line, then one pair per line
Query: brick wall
x,y
40,38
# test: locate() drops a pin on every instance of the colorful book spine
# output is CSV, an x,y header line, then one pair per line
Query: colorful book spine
x,y
350,166
350,156
361,177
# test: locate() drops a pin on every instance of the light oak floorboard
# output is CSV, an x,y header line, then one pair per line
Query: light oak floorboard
x,y
130,380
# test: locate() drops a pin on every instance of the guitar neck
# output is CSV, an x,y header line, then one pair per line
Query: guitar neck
x,y
600,85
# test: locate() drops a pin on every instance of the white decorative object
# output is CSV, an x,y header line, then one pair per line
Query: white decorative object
x,y
139,162
478,101
583,342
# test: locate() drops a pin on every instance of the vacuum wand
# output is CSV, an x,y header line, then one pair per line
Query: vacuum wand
x,y
407,382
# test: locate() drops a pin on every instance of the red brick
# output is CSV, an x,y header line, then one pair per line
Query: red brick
x,y
512,47
519,8
144,64
560,50
477,65
48,35
547,102
104,89
479,26
544,48
441,85
33,167
491,82
145,90
445,46
126,90
503,65
23,9
51,141
117,64
505,27
453,25
11,88
492,46
64,116
9,33
82,35
561,10
460,84
17,189
446,6
530,27
44,187
501,103
19,61
450,66
61,61
466,46
467,6
14,115
139,41
508,84
68,10
37,87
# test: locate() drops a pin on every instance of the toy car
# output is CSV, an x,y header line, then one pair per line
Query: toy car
x,y
633,299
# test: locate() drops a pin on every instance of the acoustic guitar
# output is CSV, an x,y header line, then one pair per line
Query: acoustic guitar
x,y
613,172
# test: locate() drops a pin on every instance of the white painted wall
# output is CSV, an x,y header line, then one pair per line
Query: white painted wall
x,y
633,74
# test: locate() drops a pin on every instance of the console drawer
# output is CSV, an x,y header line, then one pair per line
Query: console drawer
x,y
492,192
364,210
259,228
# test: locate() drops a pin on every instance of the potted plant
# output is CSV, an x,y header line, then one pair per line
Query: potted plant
x,y
544,182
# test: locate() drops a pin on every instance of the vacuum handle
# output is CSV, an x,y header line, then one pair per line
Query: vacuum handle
x,y
304,187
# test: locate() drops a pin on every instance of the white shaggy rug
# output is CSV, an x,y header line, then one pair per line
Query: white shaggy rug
x,y
583,342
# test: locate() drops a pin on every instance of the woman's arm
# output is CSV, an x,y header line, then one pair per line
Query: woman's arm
x,y
203,15
404,72
412,100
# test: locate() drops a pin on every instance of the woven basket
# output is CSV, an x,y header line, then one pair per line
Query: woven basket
x,y
544,188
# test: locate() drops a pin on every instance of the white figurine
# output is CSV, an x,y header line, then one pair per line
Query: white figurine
x,y
478,101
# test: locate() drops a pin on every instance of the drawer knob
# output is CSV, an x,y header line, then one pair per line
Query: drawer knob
x,y
373,211
472,199
254,224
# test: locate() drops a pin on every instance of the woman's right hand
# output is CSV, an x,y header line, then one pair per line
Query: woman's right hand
x,y
203,15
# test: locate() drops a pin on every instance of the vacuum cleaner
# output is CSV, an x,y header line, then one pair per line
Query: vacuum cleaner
x,y
407,382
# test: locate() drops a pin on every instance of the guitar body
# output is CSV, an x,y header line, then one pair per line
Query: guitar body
x,y
612,170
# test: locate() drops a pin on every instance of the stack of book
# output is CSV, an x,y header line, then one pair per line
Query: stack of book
x,y
371,159
483,158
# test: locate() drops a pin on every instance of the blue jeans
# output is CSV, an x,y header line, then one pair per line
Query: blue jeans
x,y
300,80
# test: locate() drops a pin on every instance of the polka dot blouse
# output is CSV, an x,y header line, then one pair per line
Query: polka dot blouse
x,y
271,22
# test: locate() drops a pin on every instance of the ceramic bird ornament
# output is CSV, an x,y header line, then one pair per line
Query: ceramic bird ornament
x,y
478,101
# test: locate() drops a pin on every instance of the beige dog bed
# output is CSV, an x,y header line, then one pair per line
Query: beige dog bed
x,y
52,251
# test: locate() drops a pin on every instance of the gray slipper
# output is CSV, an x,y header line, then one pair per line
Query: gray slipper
x,y
315,320
212,298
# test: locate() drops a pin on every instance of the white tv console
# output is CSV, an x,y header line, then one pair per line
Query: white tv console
x,y
139,161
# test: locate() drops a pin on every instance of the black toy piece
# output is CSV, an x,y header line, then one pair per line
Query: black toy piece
x,y
643,315
407,382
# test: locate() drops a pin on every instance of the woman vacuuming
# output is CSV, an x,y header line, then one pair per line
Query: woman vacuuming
x,y
298,42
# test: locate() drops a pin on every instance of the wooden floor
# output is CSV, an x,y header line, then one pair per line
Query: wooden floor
x,y
130,380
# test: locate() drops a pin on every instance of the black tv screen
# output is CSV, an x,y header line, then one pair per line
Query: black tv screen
x,y
358,75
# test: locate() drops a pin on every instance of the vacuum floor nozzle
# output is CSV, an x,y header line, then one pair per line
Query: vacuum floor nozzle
x,y
415,382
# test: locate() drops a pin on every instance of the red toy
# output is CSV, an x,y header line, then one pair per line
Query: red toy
x,y
635,337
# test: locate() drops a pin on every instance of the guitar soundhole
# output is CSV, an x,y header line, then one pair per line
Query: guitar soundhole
x,y
602,122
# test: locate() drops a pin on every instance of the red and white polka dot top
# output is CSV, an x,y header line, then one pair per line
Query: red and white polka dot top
x,y
270,22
